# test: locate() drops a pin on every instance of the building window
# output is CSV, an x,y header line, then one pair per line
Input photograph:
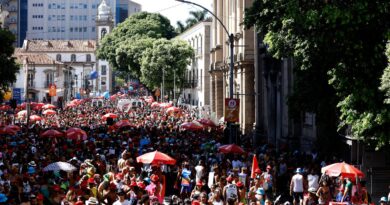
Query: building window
x,y
73,57
88,58
58,57
103,70
30,79
49,78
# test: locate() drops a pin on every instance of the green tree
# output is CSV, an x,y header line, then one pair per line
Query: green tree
x,y
166,58
180,27
338,48
8,66
385,84
137,27
195,17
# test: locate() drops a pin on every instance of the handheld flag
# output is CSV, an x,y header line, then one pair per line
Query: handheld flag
x,y
255,166
93,75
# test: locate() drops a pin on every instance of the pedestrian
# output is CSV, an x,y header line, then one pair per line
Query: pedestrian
x,y
296,187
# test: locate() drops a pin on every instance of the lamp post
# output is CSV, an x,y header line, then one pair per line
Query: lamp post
x,y
231,68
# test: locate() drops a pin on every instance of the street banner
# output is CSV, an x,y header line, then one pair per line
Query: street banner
x,y
232,110
52,90
17,95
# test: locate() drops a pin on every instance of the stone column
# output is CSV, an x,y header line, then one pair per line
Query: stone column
x,y
219,93
212,92
248,98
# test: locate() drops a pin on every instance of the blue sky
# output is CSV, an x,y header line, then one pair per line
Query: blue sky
x,y
174,10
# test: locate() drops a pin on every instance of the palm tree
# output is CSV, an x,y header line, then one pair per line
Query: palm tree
x,y
180,27
196,16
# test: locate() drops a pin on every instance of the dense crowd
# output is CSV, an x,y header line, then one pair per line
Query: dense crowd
x,y
107,171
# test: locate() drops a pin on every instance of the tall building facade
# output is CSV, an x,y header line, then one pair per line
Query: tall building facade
x,y
59,19
197,77
231,13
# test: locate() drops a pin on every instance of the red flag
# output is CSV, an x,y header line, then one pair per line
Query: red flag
x,y
255,166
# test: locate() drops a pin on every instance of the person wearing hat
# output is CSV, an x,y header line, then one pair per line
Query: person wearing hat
x,y
268,181
230,190
260,195
383,200
311,199
241,192
154,188
91,201
92,187
296,186
121,198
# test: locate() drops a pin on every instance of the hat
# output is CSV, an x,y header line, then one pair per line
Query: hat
x,y
195,202
133,184
40,197
239,184
269,167
32,164
260,191
141,185
299,170
258,171
56,187
312,190
154,178
119,176
92,200
199,183
383,199
229,179
3,198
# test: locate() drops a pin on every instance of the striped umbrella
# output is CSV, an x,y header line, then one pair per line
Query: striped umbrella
x,y
58,166
343,169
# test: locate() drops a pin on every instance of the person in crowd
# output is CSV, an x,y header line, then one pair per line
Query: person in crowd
x,y
311,199
323,193
383,200
296,186
347,196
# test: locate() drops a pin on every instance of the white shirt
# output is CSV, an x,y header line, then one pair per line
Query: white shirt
x,y
125,202
199,172
313,181
297,182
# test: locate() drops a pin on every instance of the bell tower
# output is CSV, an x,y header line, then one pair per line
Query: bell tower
x,y
104,21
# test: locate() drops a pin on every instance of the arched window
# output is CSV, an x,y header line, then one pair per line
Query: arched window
x,y
73,57
88,57
58,57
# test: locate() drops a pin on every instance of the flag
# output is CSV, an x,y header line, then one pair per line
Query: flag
x,y
255,166
93,75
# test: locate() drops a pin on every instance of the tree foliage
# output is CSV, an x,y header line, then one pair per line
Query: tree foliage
x,y
121,47
8,66
166,58
338,47
195,17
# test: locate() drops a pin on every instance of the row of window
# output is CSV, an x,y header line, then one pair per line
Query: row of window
x,y
56,17
73,57
79,6
38,5
56,29
35,28
56,6
78,29
37,16
78,18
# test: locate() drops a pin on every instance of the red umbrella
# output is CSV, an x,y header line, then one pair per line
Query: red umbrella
x,y
123,123
49,106
343,169
156,157
13,127
191,126
7,130
71,105
173,110
149,99
155,104
49,112
76,134
22,113
207,122
37,106
5,107
35,118
165,105
231,148
52,133
109,115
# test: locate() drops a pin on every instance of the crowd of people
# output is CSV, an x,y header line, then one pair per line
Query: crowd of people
x,y
107,171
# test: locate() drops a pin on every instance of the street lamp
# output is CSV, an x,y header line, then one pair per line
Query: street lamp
x,y
231,43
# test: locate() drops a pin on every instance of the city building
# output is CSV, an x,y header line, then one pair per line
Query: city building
x,y
197,78
58,19
71,65
231,13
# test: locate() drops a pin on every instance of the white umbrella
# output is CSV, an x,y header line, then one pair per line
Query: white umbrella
x,y
57,166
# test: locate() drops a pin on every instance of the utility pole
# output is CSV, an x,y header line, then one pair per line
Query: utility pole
x,y
174,86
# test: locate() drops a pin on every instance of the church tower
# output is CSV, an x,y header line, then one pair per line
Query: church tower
x,y
104,20
104,25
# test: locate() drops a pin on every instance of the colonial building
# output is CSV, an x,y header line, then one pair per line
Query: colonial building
x,y
231,13
71,65
197,78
